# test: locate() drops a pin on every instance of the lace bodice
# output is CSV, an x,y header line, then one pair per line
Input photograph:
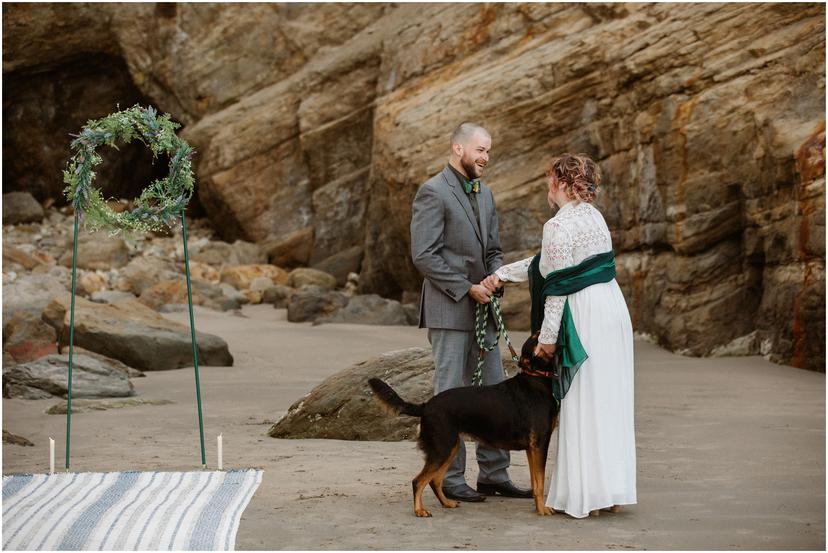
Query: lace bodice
x,y
576,232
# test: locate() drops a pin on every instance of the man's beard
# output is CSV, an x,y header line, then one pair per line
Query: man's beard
x,y
471,168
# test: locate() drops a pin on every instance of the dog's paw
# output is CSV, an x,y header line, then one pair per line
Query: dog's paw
x,y
451,504
422,513
545,512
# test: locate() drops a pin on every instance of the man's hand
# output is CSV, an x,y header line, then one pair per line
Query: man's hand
x,y
547,350
480,293
492,283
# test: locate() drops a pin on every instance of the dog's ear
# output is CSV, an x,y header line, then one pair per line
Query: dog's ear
x,y
528,350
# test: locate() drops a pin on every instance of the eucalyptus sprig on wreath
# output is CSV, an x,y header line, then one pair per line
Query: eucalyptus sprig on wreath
x,y
161,203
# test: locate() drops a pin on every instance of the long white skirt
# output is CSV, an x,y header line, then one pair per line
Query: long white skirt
x,y
595,465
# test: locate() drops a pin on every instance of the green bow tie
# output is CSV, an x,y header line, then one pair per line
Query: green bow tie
x,y
470,186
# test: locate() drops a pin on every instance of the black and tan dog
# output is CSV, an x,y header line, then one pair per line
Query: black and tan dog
x,y
518,413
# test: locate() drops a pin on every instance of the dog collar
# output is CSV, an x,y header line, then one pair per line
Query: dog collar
x,y
539,373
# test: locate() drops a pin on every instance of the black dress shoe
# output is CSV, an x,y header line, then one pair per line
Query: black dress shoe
x,y
506,489
464,493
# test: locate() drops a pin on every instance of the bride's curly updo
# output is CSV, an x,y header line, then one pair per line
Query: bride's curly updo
x,y
580,175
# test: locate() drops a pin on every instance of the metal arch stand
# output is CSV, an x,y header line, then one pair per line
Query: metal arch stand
x,y
193,335
72,338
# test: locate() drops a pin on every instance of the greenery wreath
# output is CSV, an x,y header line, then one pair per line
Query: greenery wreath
x,y
161,203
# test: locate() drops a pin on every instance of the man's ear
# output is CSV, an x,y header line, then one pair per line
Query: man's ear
x,y
457,149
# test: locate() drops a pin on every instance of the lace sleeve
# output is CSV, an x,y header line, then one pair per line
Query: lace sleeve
x,y
515,272
556,255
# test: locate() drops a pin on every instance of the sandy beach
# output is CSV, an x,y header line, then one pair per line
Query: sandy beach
x,y
731,451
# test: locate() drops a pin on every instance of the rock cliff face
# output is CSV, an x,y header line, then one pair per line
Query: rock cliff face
x,y
316,124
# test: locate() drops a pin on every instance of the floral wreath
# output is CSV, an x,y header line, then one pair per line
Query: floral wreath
x,y
161,203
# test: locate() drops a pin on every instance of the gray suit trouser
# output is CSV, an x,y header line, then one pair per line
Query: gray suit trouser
x,y
455,355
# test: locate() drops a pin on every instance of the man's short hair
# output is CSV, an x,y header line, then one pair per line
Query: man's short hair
x,y
464,132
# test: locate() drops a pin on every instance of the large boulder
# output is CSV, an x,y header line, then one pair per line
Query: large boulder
x,y
30,293
26,337
14,439
292,249
312,303
204,293
277,295
21,207
302,277
16,256
91,377
240,277
218,253
341,264
97,251
88,405
369,309
342,407
134,334
144,272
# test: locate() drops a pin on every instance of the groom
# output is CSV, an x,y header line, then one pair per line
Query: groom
x,y
454,243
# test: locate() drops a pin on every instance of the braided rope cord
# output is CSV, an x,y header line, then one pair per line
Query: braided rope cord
x,y
481,313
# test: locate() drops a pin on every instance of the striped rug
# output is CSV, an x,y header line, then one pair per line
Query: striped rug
x,y
126,511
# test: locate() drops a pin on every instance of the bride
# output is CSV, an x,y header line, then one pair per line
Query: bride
x,y
583,319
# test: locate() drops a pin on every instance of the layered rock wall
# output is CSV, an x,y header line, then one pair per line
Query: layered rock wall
x,y
316,124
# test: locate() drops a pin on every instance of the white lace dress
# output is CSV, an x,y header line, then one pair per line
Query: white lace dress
x,y
595,465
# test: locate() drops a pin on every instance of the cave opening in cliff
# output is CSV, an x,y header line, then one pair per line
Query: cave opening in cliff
x,y
44,106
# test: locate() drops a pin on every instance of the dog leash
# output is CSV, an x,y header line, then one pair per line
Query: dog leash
x,y
480,317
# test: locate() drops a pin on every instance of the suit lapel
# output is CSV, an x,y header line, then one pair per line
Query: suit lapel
x,y
483,205
451,180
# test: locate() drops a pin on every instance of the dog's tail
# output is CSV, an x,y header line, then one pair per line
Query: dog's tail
x,y
393,402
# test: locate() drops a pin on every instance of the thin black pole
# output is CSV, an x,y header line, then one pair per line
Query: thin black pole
x,y
192,332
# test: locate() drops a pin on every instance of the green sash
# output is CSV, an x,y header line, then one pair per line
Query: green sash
x,y
570,353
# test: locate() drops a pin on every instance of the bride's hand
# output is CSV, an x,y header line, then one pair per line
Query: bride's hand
x,y
492,283
547,349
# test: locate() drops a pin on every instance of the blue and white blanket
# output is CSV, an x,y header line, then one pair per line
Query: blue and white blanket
x,y
126,511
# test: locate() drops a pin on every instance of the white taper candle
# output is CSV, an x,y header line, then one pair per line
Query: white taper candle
x,y
220,461
51,456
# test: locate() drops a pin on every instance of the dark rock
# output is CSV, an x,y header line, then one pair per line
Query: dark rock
x,y
342,407
313,302
97,251
14,439
87,405
302,277
216,252
292,250
370,309
412,313
134,334
341,264
144,272
21,207
278,295
91,377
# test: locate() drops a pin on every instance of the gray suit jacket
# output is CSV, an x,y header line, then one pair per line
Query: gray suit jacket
x,y
451,250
